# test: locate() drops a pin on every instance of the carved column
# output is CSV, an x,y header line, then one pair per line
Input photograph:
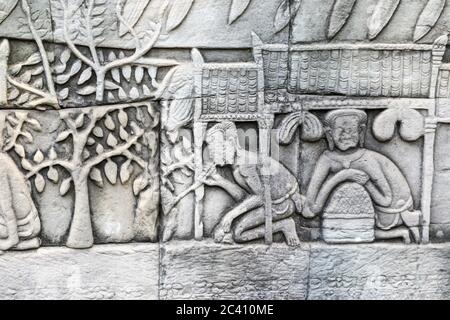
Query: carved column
x,y
199,134
265,129
4,54
428,174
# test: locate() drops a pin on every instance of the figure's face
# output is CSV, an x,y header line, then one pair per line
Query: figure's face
x,y
346,132
220,150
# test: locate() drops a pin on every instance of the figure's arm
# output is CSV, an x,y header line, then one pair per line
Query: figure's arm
x,y
379,189
233,189
315,194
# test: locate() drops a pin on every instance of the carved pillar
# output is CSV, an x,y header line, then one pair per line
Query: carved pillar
x,y
4,54
265,129
428,174
199,134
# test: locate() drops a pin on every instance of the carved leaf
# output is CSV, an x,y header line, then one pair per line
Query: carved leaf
x,y
86,91
62,78
85,76
6,7
178,13
126,71
52,154
65,186
123,118
99,149
139,74
35,125
15,69
125,171
65,56
382,14
76,67
13,94
238,8
64,93
109,123
134,93
20,150
26,164
96,176
35,58
339,16
90,142
123,134
116,75
132,12
38,156
122,94
111,171
428,18
98,132
111,140
411,124
63,136
39,183
139,184
53,175
285,13
111,85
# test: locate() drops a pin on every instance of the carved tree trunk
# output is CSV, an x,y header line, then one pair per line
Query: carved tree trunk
x,y
100,86
80,234
4,55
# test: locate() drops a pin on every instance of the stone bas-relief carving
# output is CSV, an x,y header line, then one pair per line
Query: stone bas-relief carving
x,y
169,121
347,162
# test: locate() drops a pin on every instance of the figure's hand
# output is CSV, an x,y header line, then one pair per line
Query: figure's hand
x,y
356,176
213,180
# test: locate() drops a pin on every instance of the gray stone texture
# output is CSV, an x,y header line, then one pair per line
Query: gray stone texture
x,y
193,270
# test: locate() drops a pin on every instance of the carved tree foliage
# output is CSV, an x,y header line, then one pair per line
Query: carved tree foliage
x,y
106,143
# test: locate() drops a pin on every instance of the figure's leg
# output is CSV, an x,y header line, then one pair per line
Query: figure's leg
x,y
400,232
33,243
252,227
412,220
224,226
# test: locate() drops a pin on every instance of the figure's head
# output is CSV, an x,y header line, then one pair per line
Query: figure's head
x,y
222,140
345,129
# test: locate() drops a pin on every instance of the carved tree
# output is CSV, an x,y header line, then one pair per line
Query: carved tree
x,y
26,80
92,146
90,33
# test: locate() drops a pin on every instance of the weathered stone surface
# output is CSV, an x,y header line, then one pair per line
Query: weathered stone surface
x,y
210,271
103,272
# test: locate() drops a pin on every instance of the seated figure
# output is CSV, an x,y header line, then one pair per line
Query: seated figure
x,y
348,161
247,190
19,219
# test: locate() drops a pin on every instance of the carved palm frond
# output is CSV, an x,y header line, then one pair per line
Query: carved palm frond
x,y
178,13
132,12
339,16
238,8
428,18
6,7
411,124
382,14
312,129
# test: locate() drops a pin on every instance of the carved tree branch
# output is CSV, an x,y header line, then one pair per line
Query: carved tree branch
x,y
50,163
70,43
38,40
50,100
119,150
139,53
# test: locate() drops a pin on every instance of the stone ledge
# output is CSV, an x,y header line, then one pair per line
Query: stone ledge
x,y
103,272
195,270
